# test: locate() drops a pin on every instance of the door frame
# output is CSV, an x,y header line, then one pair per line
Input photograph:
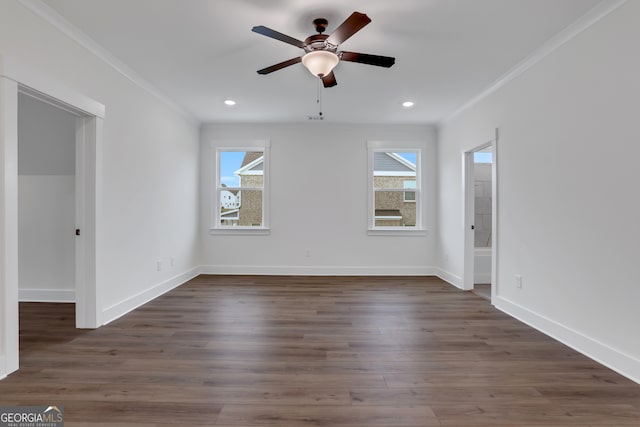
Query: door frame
x,y
468,203
16,78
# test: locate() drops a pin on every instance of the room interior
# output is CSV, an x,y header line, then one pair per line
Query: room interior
x,y
551,86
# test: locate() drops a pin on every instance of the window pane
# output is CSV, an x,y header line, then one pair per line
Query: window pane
x,y
391,210
241,169
390,169
241,208
410,196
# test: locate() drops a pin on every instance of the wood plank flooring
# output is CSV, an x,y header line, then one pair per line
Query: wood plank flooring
x,y
312,351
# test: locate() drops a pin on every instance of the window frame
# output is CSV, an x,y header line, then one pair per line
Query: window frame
x,y
374,147
216,226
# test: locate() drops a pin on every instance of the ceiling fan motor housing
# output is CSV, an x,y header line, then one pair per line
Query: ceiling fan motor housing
x,y
318,42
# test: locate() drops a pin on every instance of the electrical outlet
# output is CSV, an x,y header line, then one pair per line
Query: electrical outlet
x,y
159,265
518,281
307,253
172,261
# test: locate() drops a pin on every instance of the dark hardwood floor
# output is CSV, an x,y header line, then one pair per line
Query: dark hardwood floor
x,y
312,351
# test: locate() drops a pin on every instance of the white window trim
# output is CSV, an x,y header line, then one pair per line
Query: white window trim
x,y
215,226
407,174
391,147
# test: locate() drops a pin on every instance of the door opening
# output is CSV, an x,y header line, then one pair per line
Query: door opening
x,y
46,202
482,225
480,218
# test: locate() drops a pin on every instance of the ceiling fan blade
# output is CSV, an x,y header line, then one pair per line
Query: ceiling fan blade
x,y
329,80
349,27
261,29
280,65
364,58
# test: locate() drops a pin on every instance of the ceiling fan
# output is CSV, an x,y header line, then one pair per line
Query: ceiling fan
x,y
321,50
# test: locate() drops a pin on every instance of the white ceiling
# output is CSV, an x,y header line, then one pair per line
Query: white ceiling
x,y
200,52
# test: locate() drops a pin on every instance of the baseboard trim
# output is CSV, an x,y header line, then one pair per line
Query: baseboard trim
x,y
47,295
264,270
610,357
120,309
449,277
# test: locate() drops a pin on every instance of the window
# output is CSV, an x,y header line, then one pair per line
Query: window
x,y
394,188
240,199
410,196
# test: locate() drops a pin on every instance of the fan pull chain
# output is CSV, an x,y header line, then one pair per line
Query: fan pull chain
x,y
319,102
319,99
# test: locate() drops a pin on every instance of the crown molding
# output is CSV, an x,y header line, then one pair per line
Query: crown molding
x,y
52,17
599,11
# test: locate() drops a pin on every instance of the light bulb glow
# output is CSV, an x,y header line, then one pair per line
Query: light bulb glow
x,y
229,102
408,104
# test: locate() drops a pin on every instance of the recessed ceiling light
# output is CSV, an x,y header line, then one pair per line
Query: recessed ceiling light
x,y
229,102
408,104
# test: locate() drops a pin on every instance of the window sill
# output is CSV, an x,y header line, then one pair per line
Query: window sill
x,y
240,231
397,231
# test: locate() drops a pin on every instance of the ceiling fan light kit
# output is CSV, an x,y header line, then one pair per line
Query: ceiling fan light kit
x,y
321,51
320,62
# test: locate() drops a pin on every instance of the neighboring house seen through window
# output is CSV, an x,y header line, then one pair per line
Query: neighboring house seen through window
x,y
240,184
394,189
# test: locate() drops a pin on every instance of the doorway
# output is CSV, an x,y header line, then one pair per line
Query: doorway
x,y
16,79
480,219
46,202
482,162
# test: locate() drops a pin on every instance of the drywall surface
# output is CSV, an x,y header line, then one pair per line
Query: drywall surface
x,y
46,210
319,203
567,190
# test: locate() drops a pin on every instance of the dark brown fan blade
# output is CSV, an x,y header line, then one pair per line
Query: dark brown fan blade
x,y
261,29
329,80
280,65
349,27
364,58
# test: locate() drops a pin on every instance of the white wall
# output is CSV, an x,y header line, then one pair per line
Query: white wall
x,y
319,202
149,165
46,201
567,190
